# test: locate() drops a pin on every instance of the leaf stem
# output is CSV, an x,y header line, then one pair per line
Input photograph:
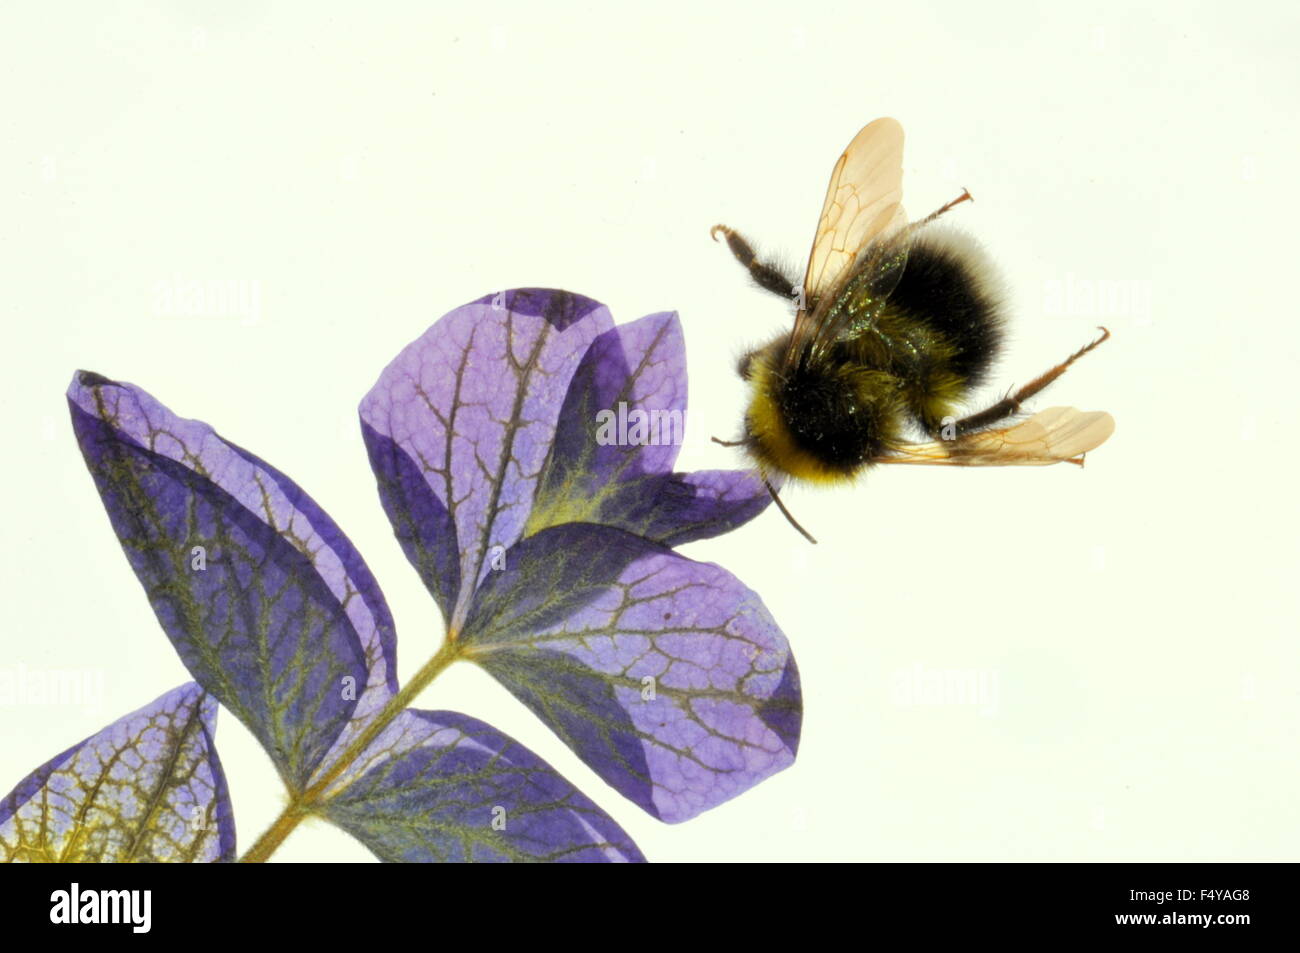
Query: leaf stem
x,y
308,802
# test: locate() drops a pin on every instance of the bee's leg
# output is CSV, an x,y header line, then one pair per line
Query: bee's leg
x,y
745,364
1010,405
767,276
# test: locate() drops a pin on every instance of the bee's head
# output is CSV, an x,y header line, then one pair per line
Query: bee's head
x,y
822,423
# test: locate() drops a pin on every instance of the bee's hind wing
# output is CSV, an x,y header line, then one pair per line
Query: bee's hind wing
x,y
1055,435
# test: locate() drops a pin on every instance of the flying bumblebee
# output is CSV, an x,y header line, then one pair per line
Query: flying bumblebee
x,y
895,325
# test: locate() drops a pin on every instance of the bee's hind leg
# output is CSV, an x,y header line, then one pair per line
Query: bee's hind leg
x,y
767,276
1010,405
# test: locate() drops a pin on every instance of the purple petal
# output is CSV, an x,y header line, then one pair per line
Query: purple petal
x,y
631,386
460,423
149,787
677,508
706,503
268,604
667,676
620,429
438,786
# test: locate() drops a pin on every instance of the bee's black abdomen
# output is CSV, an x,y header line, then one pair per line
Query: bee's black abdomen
x,y
949,286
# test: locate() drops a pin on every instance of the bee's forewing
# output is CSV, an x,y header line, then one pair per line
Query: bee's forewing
x,y
863,202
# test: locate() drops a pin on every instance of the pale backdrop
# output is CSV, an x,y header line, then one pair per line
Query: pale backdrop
x,y
1130,628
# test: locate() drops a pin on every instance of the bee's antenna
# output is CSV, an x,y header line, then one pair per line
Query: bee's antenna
x,y
772,490
964,197
786,513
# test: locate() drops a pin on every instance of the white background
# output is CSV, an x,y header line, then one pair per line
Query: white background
x,y
1134,622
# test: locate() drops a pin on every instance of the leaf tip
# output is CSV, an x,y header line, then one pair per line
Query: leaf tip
x,y
90,379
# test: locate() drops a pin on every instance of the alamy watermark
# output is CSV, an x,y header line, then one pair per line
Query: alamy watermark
x,y
971,687
130,907
179,297
1076,297
624,427
20,685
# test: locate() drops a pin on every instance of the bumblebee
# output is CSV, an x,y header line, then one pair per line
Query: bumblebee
x,y
896,323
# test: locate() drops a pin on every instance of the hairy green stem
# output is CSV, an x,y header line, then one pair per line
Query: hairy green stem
x,y
309,801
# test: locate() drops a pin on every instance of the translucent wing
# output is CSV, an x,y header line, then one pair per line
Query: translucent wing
x,y
863,203
1055,435
857,301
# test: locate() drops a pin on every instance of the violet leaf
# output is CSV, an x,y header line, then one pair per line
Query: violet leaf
x,y
148,788
620,429
272,608
438,786
459,426
266,601
667,676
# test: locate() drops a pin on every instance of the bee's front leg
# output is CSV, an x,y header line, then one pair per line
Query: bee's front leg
x,y
766,275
